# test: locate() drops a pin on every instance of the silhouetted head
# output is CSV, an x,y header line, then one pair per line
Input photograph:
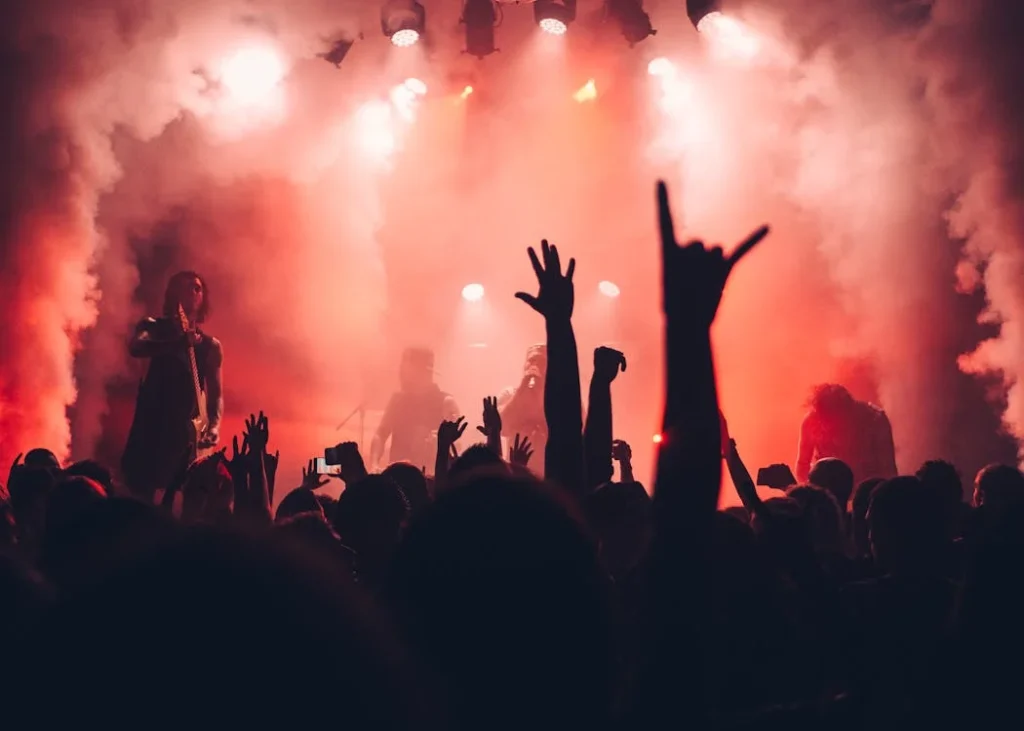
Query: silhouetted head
x,y
822,517
28,489
327,504
42,459
416,371
251,617
536,360
738,512
477,457
785,536
189,290
298,501
830,399
314,532
859,504
68,499
94,471
835,476
738,565
369,517
99,532
413,482
999,488
499,590
944,479
906,525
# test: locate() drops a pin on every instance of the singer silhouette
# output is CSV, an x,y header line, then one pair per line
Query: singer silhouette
x,y
522,406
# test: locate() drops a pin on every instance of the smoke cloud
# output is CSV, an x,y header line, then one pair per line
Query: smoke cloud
x,y
973,54
337,222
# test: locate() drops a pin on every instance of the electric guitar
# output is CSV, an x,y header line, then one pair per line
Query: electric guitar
x,y
200,421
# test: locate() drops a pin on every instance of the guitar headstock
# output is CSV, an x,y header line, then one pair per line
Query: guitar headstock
x,y
183,318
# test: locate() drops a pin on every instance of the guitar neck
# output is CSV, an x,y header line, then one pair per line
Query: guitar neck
x,y
195,377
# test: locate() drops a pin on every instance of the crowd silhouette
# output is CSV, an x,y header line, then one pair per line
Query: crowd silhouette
x,y
482,597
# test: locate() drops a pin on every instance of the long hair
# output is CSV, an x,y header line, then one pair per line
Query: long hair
x,y
830,398
172,295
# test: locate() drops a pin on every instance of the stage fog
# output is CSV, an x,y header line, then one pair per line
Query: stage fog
x,y
337,212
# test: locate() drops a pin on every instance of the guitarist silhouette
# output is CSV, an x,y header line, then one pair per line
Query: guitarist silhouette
x,y
180,400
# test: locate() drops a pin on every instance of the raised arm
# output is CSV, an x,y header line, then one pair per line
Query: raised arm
x,y
563,408
689,475
597,437
743,482
805,450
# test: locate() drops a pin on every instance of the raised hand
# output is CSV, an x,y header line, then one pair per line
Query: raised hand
x,y
310,479
556,295
621,451
270,463
520,452
491,417
607,362
237,464
693,277
353,469
257,433
450,432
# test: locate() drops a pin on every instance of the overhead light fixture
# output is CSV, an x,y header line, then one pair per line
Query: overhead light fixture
x,y
480,18
697,10
634,23
554,17
403,21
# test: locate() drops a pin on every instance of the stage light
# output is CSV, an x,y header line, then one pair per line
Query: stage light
x,y
553,17
657,439
661,67
406,37
416,86
608,289
634,23
403,21
251,74
473,292
466,92
480,18
586,93
697,10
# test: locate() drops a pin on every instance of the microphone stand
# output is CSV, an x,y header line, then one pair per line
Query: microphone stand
x,y
361,410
